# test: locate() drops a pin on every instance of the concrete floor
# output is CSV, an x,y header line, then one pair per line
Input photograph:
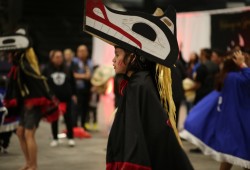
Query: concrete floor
x,y
88,154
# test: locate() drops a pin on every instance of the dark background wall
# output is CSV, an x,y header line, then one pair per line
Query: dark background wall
x,y
53,24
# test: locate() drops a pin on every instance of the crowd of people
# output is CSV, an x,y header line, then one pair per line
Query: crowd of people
x,y
217,121
64,80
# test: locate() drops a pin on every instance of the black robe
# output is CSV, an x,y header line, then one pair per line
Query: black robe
x,y
140,138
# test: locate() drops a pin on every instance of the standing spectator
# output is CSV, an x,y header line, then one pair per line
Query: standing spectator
x,y
204,76
193,64
62,83
94,99
82,74
178,74
217,57
69,58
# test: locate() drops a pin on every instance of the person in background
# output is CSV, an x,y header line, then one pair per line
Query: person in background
x,y
62,83
94,99
204,76
69,58
193,64
217,57
178,74
27,95
82,73
93,102
188,82
5,130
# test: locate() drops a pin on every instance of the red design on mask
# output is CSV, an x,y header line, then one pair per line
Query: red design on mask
x,y
98,4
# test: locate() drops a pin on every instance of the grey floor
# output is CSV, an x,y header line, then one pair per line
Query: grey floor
x,y
89,154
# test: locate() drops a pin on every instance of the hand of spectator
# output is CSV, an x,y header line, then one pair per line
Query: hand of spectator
x,y
239,59
74,98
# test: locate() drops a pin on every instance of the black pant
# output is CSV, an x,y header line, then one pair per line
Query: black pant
x,y
68,121
82,107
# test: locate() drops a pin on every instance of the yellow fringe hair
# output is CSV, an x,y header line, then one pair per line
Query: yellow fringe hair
x,y
164,82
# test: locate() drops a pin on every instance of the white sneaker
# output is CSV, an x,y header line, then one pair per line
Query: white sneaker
x,y
71,143
54,143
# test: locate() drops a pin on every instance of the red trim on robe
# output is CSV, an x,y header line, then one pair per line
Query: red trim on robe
x,y
125,166
41,101
11,119
10,103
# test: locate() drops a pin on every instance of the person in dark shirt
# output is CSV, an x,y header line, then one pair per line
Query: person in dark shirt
x,y
62,84
204,76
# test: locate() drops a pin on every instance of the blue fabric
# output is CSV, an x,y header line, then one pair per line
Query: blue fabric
x,y
1,105
225,127
2,92
197,65
7,122
80,84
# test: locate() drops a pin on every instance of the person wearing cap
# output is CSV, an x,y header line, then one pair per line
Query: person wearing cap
x,y
144,134
27,93
99,82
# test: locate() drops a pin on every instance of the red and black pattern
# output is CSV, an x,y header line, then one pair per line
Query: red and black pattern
x,y
141,137
126,166
28,89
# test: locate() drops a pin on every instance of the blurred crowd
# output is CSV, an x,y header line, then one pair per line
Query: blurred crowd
x,y
202,74
68,75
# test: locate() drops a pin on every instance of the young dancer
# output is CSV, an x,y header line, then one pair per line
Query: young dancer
x,y
27,93
143,135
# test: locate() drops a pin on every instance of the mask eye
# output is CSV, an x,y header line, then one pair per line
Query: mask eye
x,y
9,41
144,30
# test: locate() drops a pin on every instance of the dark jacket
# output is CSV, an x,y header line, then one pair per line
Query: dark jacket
x,y
61,81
